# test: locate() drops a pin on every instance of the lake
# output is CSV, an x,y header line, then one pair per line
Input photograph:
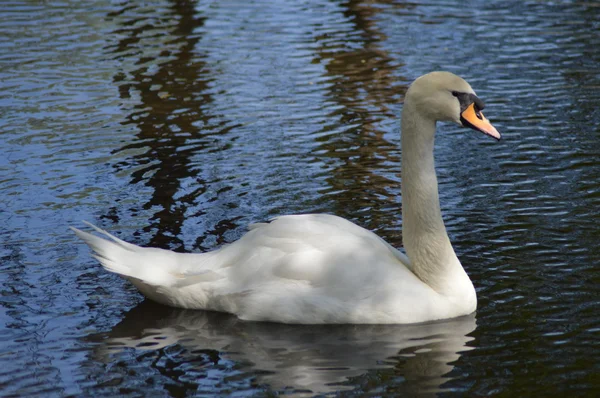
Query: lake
x,y
175,124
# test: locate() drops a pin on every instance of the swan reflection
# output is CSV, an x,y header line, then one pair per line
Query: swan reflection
x,y
305,358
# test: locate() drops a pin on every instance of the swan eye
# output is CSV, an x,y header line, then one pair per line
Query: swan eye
x,y
466,99
463,99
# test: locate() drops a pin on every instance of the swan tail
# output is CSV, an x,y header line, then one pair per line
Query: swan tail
x,y
151,266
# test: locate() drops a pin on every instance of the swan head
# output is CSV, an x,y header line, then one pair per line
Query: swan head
x,y
445,97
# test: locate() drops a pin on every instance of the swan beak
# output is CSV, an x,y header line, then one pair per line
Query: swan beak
x,y
475,120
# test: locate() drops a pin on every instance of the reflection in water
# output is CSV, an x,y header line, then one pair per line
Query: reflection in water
x,y
174,86
300,357
365,84
172,95
195,118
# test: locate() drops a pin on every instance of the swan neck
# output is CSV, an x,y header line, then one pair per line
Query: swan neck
x,y
424,233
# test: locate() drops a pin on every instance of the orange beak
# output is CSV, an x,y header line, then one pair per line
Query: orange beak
x,y
475,120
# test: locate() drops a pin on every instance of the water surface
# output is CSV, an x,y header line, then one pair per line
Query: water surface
x,y
175,124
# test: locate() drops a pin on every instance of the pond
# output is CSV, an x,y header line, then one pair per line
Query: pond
x,y
175,124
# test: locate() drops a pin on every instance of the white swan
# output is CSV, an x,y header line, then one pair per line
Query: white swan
x,y
319,268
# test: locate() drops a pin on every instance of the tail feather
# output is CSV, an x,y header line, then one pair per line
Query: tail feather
x,y
152,266
111,237
107,252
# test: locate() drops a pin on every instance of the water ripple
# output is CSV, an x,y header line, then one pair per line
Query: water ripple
x,y
182,122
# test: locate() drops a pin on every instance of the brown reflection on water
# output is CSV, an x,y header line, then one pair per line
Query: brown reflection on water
x,y
367,86
171,98
172,93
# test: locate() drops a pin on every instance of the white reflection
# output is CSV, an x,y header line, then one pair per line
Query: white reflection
x,y
302,357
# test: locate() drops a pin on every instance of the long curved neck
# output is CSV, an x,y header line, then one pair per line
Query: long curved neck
x,y
423,231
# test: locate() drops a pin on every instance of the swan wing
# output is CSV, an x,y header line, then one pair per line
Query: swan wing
x,y
294,269
298,247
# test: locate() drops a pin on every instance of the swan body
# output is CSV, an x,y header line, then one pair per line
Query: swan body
x,y
319,268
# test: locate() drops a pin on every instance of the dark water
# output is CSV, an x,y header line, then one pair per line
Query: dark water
x,y
175,124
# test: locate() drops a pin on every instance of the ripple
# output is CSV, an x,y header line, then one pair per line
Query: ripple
x,y
182,122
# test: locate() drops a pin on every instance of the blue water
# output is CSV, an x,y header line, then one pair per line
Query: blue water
x,y
175,124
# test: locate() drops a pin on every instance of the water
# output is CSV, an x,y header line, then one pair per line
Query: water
x,y
175,124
